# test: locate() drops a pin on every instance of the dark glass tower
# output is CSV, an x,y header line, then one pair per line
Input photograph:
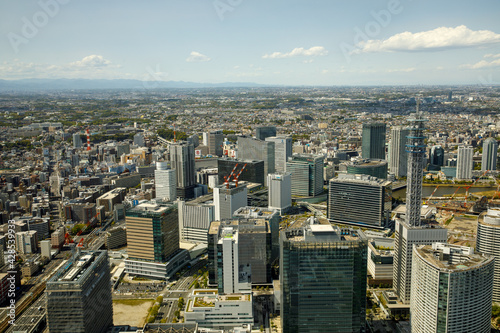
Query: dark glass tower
x,y
373,141
323,280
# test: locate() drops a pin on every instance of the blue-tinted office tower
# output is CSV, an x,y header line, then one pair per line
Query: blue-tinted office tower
x,y
373,141
323,280
263,132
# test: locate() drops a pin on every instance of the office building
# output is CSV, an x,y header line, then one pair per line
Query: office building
x,y
405,237
139,140
121,149
465,162
380,261
254,149
182,161
249,258
488,236
489,158
374,168
215,139
263,132
194,221
280,191
373,141
116,237
253,172
165,182
27,242
451,289
232,277
152,231
79,295
153,241
112,198
398,159
436,157
77,140
323,280
307,174
219,313
282,151
228,198
360,200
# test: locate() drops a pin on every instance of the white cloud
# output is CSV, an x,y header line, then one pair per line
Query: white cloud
x,y
492,55
402,70
92,61
197,57
437,39
482,64
298,51
325,71
308,61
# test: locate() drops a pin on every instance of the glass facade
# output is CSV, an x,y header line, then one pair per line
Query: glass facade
x,y
323,285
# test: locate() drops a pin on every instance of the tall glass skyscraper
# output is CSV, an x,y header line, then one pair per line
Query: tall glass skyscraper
x,y
398,159
182,160
307,174
323,280
373,141
489,159
465,162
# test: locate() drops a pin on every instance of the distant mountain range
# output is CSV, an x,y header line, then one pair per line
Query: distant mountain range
x,y
84,84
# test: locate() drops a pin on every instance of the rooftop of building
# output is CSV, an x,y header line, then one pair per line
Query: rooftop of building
x,y
360,179
360,163
324,233
203,298
491,217
450,258
77,267
113,193
150,209
255,212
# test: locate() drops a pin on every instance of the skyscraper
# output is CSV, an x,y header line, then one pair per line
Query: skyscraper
x,y
253,173
263,132
153,240
489,159
182,161
373,141
254,149
398,159
410,231
77,140
451,289
488,234
464,162
360,199
79,295
228,198
282,151
436,156
323,280
280,191
165,182
307,174
215,139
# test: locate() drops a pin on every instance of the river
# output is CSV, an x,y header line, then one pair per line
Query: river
x,y
441,191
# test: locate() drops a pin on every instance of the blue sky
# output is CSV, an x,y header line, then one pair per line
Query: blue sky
x,y
323,42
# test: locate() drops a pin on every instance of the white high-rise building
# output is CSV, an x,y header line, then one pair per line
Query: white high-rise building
x,y
228,198
398,157
234,279
488,238
282,151
280,191
165,182
489,159
405,237
464,162
451,289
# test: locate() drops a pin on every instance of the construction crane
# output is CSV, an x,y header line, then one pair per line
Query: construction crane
x,y
227,179
452,196
68,239
429,199
473,183
238,176
88,138
80,243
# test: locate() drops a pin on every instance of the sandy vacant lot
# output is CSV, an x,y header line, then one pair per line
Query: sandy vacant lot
x,y
131,312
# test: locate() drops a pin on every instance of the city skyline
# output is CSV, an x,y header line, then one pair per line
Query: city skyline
x,y
277,43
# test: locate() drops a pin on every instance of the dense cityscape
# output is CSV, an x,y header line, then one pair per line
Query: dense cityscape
x,y
250,209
